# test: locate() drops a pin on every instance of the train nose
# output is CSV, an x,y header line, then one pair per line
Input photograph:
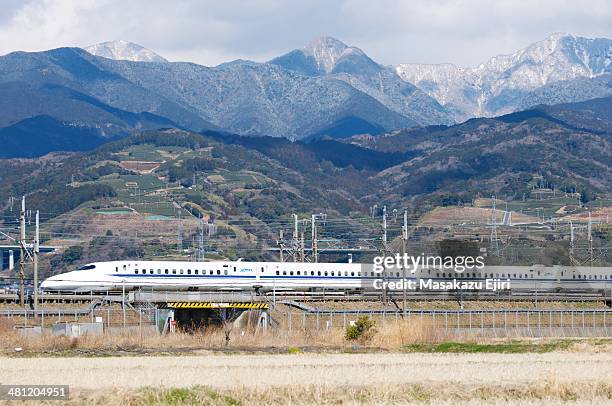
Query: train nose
x,y
51,283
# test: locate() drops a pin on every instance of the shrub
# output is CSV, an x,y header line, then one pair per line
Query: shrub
x,y
362,330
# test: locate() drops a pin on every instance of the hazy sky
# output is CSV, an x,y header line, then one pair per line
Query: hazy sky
x,y
390,31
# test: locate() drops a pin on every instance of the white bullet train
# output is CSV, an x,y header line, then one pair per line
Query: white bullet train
x,y
292,276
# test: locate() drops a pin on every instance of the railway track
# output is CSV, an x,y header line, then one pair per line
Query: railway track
x,y
160,296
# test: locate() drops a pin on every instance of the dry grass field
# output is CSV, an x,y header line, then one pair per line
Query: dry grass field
x,y
401,363
325,378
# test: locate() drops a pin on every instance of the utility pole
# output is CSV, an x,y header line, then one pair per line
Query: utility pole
x,y
404,242
22,253
36,251
294,238
313,231
590,240
384,249
572,241
201,242
179,239
385,227
494,242
281,244
302,254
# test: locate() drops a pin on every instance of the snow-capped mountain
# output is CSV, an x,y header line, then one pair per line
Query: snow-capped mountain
x,y
505,83
121,50
330,58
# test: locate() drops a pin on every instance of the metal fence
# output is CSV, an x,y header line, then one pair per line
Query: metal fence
x,y
482,322
502,322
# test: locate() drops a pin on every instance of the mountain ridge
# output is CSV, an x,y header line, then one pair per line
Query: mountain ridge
x,y
499,85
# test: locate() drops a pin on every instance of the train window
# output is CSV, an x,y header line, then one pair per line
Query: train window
x,y
515,275
211,272
174,271
277,272
284,272
196,272
352,273
218,272
325,273
234,269
151,272
124,267
290,272
181,271
319,273
332,273
262,269
166,272
189,272
135,271
225,272
116,269
437,275
298,273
